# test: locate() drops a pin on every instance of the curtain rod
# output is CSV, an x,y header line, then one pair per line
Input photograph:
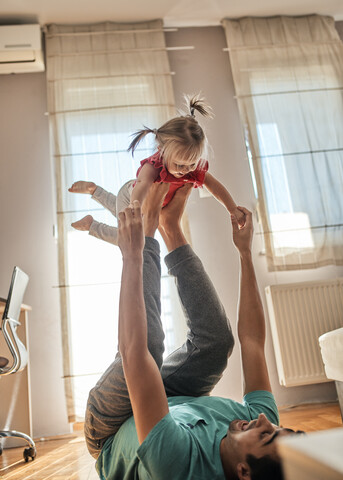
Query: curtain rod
x,y
314,227
306,152
131,50
100,152
288,92
82,210
113,76
106,32
90,109
163,275
277,45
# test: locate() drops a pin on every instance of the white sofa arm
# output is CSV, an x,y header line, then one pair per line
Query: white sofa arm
x,y
331,345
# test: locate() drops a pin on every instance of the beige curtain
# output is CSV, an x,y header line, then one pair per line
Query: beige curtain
x,y
288,77
105,81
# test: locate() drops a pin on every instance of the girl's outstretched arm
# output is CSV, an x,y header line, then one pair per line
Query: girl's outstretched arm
x,y
223,196
145,179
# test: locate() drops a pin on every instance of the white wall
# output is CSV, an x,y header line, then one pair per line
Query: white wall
x,y
26,240
207,69
27,215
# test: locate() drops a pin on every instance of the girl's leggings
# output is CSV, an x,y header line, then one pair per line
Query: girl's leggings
x,y
113,203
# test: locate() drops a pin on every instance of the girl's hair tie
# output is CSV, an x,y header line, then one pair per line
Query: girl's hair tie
x,y
154,131
192,111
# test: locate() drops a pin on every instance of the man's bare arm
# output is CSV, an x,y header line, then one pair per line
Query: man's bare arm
x,y
251,320
143,378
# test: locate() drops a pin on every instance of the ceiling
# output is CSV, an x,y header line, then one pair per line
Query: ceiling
x,y
175,13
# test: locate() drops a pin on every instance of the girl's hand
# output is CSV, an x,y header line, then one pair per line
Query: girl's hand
x,y
240,217
242,236
130,231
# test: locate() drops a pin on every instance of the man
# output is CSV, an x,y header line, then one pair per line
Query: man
x,y
177,430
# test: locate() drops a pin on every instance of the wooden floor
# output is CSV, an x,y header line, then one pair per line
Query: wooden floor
x,y
62,458
67,458
311,418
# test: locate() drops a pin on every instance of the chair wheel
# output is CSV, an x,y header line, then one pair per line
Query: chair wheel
x,y
29,452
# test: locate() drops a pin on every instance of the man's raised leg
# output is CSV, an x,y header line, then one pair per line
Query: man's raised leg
x,y
196,367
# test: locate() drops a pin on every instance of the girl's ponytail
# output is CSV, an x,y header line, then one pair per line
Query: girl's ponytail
x,y
138,136
197,102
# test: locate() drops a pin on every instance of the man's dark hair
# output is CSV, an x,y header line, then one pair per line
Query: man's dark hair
x,y
265,468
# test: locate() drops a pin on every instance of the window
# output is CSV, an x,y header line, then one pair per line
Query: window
x,y
104,82
288,77
301,176
290,229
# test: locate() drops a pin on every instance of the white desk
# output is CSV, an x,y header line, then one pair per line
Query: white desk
x,y
15,404
315,456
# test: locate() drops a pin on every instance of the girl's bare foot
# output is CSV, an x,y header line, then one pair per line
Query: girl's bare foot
x,y
84,224
83,187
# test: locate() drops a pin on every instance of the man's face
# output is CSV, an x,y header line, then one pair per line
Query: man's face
x,y
256,437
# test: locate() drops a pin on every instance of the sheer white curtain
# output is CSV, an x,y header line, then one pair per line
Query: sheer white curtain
x,y
288,76
105,81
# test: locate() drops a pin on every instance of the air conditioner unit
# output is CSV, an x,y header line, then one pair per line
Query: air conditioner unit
x,y
21,49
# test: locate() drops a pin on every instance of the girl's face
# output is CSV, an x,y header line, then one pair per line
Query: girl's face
x,y
179,169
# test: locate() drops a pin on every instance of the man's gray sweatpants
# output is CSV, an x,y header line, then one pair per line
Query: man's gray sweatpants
x,y
193,369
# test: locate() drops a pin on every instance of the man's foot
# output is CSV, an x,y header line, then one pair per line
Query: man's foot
x,y
151,207
170,219
84,224
3,362
171,214
83,187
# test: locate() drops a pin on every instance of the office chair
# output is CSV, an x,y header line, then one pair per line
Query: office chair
x,y
10,321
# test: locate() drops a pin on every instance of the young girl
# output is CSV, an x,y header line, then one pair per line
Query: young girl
x,y
180,145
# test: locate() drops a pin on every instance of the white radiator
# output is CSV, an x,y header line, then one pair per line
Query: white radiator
x,y
299,313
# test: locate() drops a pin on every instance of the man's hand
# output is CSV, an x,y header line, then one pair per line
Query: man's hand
x,y
242,236
130,231
240,216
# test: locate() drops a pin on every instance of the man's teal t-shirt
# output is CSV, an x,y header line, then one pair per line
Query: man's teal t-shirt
x,y
184,445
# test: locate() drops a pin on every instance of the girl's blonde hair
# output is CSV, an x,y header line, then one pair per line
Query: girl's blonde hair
x,y
181,136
